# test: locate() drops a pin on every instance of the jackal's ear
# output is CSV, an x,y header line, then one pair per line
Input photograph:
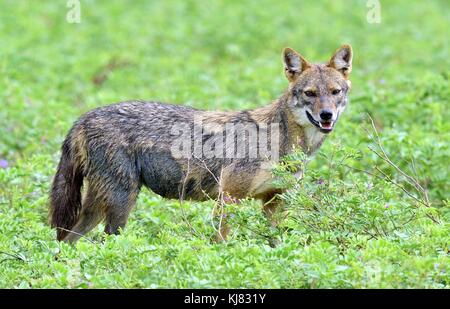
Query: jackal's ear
x,y
294,64
342,60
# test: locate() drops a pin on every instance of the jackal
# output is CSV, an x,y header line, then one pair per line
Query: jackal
x,y
116,149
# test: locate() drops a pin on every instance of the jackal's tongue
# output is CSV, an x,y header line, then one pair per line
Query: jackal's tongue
x,y
326,125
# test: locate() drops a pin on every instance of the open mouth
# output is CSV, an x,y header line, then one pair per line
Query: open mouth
x,y
324,126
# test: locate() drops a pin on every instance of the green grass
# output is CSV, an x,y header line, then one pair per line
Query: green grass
x,y
342,228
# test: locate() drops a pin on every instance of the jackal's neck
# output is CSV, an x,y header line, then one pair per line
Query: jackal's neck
x,y
292,134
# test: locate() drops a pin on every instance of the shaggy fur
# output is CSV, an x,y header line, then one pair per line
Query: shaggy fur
x,y
115,150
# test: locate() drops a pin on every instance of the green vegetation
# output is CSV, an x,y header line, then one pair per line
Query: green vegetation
x,y
341,227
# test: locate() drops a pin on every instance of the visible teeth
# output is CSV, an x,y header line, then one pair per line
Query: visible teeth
x,y
327,125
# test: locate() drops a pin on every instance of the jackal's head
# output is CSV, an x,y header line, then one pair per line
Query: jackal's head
x,y
318,93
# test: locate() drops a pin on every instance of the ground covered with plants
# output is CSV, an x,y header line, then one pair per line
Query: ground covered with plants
x,y
371,212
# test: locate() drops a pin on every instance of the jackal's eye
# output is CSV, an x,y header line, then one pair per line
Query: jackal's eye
x,y
335,91
310,93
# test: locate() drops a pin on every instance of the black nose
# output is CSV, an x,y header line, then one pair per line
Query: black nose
x,y
326,114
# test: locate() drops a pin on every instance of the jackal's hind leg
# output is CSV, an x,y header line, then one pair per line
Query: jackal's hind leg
x,y
91,215
120,203
270,204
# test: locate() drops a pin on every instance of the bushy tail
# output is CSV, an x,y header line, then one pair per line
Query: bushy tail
x,y
65,197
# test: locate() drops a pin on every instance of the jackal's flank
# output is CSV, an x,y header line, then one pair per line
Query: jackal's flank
x,y
116,149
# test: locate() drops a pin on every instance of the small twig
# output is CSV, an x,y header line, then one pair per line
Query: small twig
x,y
220,203
363,171
413,165
181,200
15,256
414,182
386,158
219,200
389,179
255,232
81,235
